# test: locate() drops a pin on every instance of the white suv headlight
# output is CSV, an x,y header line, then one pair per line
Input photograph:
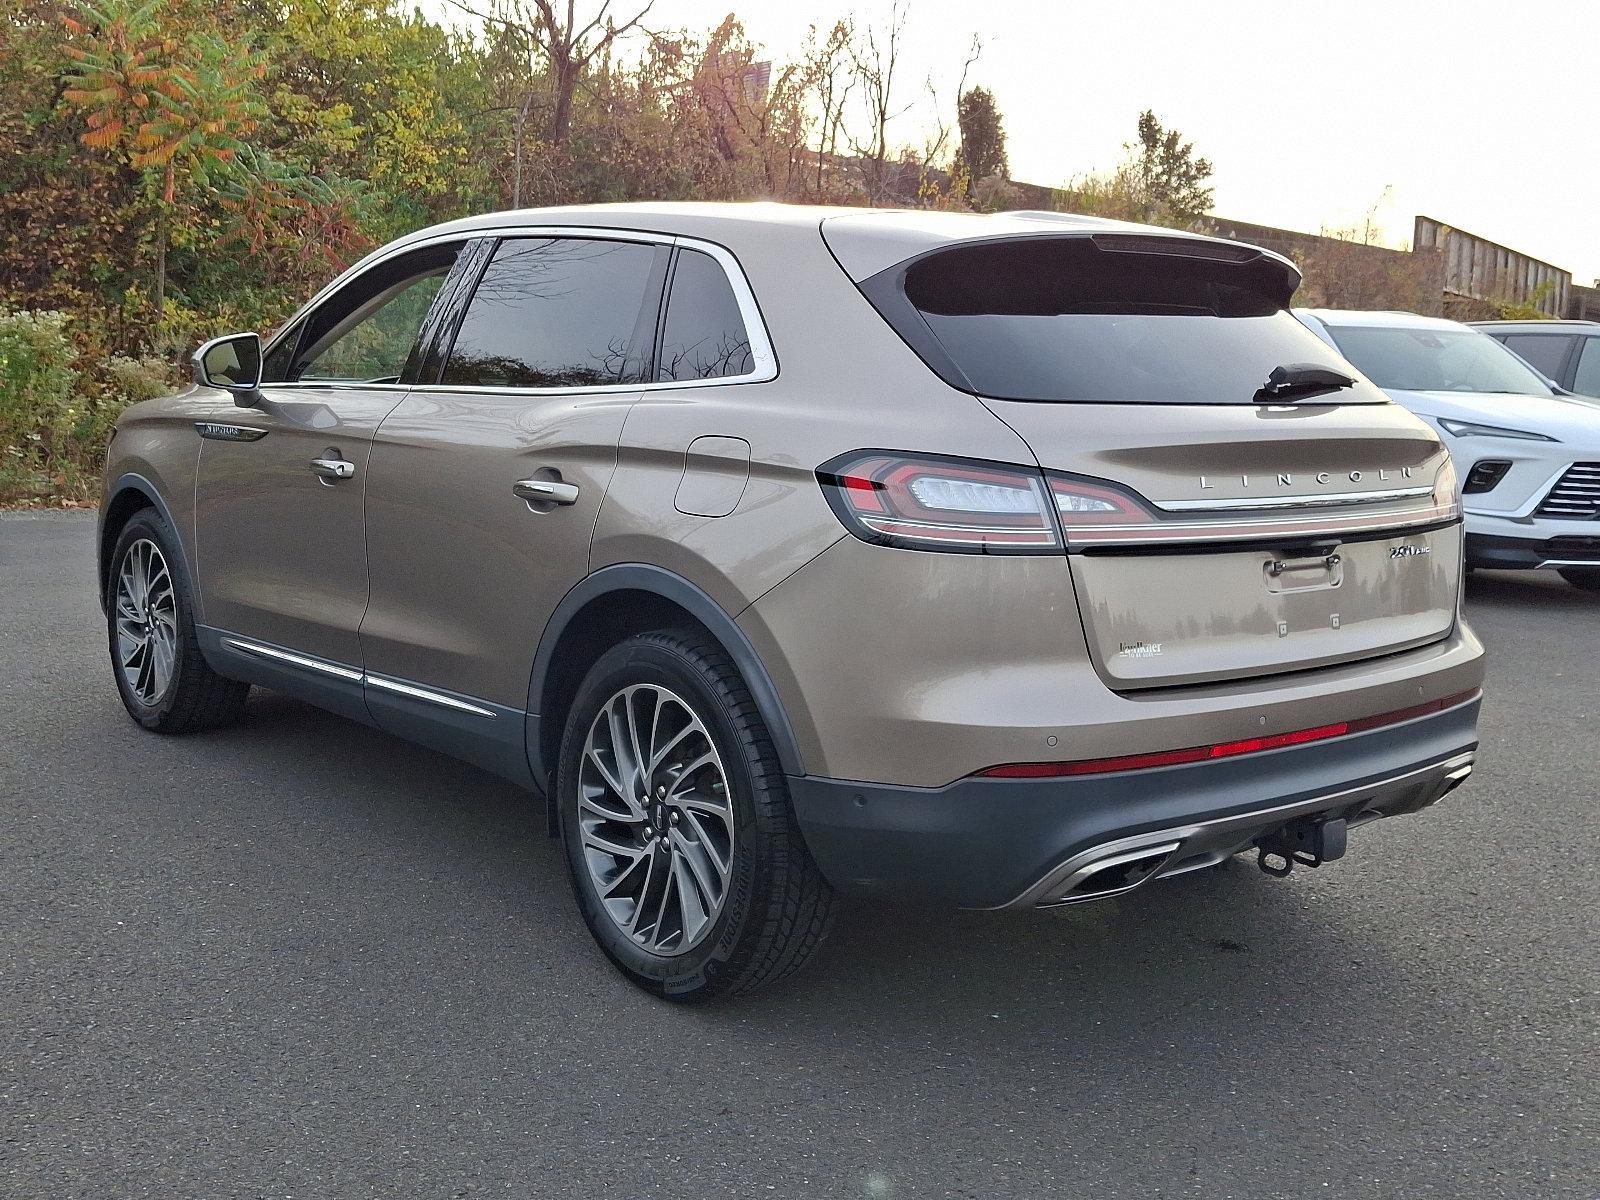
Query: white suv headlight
x,y
1470,429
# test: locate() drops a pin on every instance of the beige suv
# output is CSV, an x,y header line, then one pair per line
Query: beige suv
x,y
1004,561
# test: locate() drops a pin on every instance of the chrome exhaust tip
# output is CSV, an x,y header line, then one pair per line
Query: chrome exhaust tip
x,y
1110,874
1449,783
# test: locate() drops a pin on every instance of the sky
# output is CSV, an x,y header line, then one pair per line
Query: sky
x,y
1480,114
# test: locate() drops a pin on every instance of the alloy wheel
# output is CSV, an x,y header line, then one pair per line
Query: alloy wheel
x,y
655,819
146,622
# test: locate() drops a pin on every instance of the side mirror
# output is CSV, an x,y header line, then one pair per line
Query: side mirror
x,y
232,363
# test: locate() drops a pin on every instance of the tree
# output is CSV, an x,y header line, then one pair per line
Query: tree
x,y
983,140
568,48
1171,179
875,59
176,107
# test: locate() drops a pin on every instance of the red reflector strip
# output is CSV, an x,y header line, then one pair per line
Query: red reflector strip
x,y
1192,754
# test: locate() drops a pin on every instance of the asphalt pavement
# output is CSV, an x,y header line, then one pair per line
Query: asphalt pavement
x,y
300,958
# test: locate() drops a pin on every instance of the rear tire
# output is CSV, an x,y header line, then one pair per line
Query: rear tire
x,y
1587,578
164,681
694,879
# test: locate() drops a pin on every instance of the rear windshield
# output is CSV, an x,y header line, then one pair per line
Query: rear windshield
x,y
1065,320
1427,360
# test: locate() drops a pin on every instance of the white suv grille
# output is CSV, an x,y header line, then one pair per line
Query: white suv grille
x,y
1576,497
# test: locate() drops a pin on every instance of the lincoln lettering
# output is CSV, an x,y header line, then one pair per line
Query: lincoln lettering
x,y
1286,479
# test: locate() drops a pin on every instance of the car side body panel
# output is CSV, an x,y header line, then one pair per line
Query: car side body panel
x,y
155,452
465,573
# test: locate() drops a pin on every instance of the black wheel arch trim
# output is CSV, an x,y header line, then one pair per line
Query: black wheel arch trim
x,y
132,481
642,577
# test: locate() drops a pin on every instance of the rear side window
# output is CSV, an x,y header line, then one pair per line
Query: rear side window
x,y
558,312
705,335
1547,353
1093,319
1588,381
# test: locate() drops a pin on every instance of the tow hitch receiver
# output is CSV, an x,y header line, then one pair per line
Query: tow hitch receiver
x,y
1309,842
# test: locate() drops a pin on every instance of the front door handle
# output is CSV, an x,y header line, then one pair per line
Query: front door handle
x,y
333,468
546,491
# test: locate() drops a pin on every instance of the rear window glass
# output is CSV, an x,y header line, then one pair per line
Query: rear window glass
x,y
1436,360
1063,320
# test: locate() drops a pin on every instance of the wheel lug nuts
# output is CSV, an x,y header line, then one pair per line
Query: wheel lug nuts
x,y
675,818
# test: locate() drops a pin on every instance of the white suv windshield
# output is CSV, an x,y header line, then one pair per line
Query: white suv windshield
x,y
1430,360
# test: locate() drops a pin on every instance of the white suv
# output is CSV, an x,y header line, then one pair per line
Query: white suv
x,y
1527,457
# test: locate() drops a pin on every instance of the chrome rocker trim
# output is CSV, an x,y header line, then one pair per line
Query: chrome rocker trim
x,y
352,675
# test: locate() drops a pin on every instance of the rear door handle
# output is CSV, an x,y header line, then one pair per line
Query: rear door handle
x,y
333,468
546,491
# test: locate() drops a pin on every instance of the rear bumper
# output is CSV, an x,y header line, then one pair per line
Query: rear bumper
x,y
1010,843
1501,552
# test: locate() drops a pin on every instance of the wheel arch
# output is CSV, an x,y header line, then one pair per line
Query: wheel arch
x,y
618,601
130,494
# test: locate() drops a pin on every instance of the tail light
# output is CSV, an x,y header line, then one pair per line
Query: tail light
x,y
1444,489
1092,505
932,502
926,502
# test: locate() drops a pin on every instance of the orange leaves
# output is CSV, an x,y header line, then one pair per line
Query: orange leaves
x,y
161,99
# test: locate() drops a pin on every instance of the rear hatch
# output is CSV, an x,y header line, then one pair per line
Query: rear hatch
x,y
1217,528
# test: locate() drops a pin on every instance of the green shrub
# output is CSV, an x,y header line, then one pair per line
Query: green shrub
x,y
56,413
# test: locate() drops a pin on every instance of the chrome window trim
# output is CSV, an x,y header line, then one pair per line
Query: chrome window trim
x,y
762,353
1304,501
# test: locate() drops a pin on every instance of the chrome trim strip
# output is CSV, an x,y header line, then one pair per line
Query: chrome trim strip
x,y
1558,563
293,659
350,674
1331,498
1451,771
761,350
432,697
1181,532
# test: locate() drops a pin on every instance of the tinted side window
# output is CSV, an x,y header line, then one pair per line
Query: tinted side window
x,y
705,337
366,331
1546,352
275,366
557,312
1588,381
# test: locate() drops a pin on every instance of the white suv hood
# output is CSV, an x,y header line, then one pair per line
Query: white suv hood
x,y
1574,423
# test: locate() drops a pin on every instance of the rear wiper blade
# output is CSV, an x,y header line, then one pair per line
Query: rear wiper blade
x,y
1293,380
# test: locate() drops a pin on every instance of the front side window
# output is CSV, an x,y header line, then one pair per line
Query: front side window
x,y
1436,360
366,332
1547,353
1588,381
705,336
276,364
558,312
